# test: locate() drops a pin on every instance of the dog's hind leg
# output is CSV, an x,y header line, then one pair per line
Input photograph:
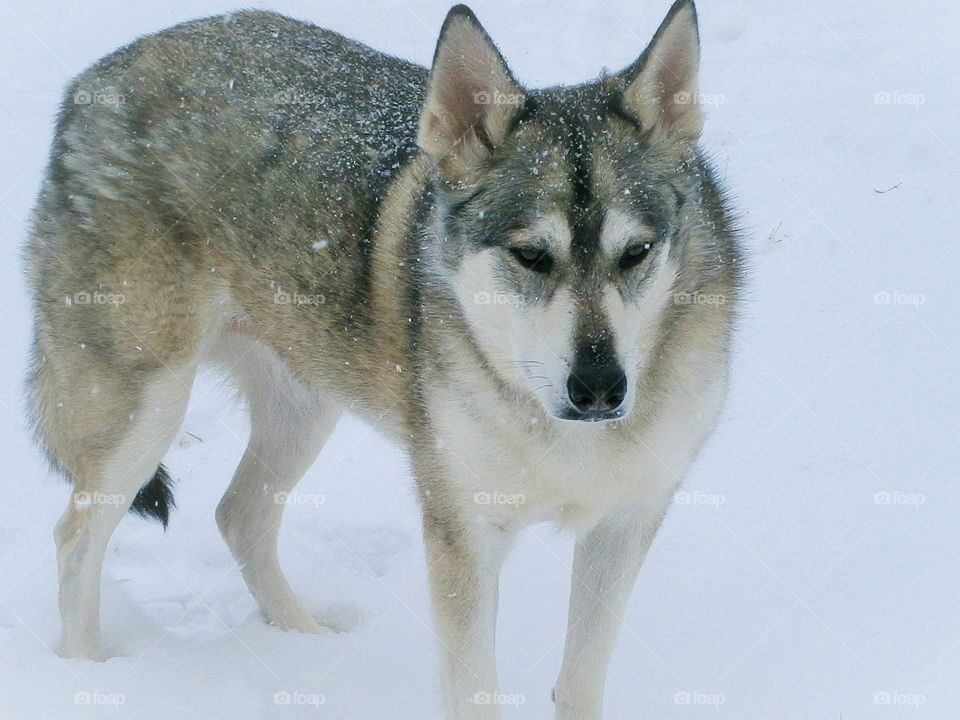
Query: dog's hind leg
x,y
288,426
108,432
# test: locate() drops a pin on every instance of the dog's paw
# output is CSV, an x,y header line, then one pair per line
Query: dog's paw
x,y
298,621
82,653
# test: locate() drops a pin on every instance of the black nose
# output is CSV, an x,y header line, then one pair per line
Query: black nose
x,y
597,390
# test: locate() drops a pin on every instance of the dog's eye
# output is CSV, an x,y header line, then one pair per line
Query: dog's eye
x,y
634,255
533,259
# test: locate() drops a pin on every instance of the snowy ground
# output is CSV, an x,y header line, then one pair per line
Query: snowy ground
x,y
812,571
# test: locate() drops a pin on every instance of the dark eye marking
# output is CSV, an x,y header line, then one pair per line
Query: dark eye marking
x,y
533,258
634,255
460,205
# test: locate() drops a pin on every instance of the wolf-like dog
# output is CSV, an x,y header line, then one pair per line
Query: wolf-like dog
x,y
533,291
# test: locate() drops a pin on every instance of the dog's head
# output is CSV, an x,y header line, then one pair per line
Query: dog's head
x,y
559,211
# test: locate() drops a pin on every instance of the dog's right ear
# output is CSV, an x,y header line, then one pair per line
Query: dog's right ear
x,y
471,99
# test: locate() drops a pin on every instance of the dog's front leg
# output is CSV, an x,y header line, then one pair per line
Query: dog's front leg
x,y
464,563
605,566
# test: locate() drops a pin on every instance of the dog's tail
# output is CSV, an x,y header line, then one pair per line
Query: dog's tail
x,y
155,499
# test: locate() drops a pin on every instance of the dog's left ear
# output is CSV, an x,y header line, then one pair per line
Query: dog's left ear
x,y
661,87
471,99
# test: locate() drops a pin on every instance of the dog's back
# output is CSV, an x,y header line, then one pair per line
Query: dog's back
x,y
238,157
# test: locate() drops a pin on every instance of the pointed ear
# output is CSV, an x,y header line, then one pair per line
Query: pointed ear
x,y
471,99
661,87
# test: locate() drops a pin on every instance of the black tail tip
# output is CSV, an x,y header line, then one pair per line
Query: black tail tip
x,y
155,499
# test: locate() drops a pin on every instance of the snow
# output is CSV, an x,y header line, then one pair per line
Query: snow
x,y
809,570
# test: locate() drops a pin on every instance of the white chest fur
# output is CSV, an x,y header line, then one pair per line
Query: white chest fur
x,y
514,471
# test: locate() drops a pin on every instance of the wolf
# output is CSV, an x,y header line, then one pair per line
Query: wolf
x,y
533,291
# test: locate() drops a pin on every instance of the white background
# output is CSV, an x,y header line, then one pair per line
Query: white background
x,y
784,590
